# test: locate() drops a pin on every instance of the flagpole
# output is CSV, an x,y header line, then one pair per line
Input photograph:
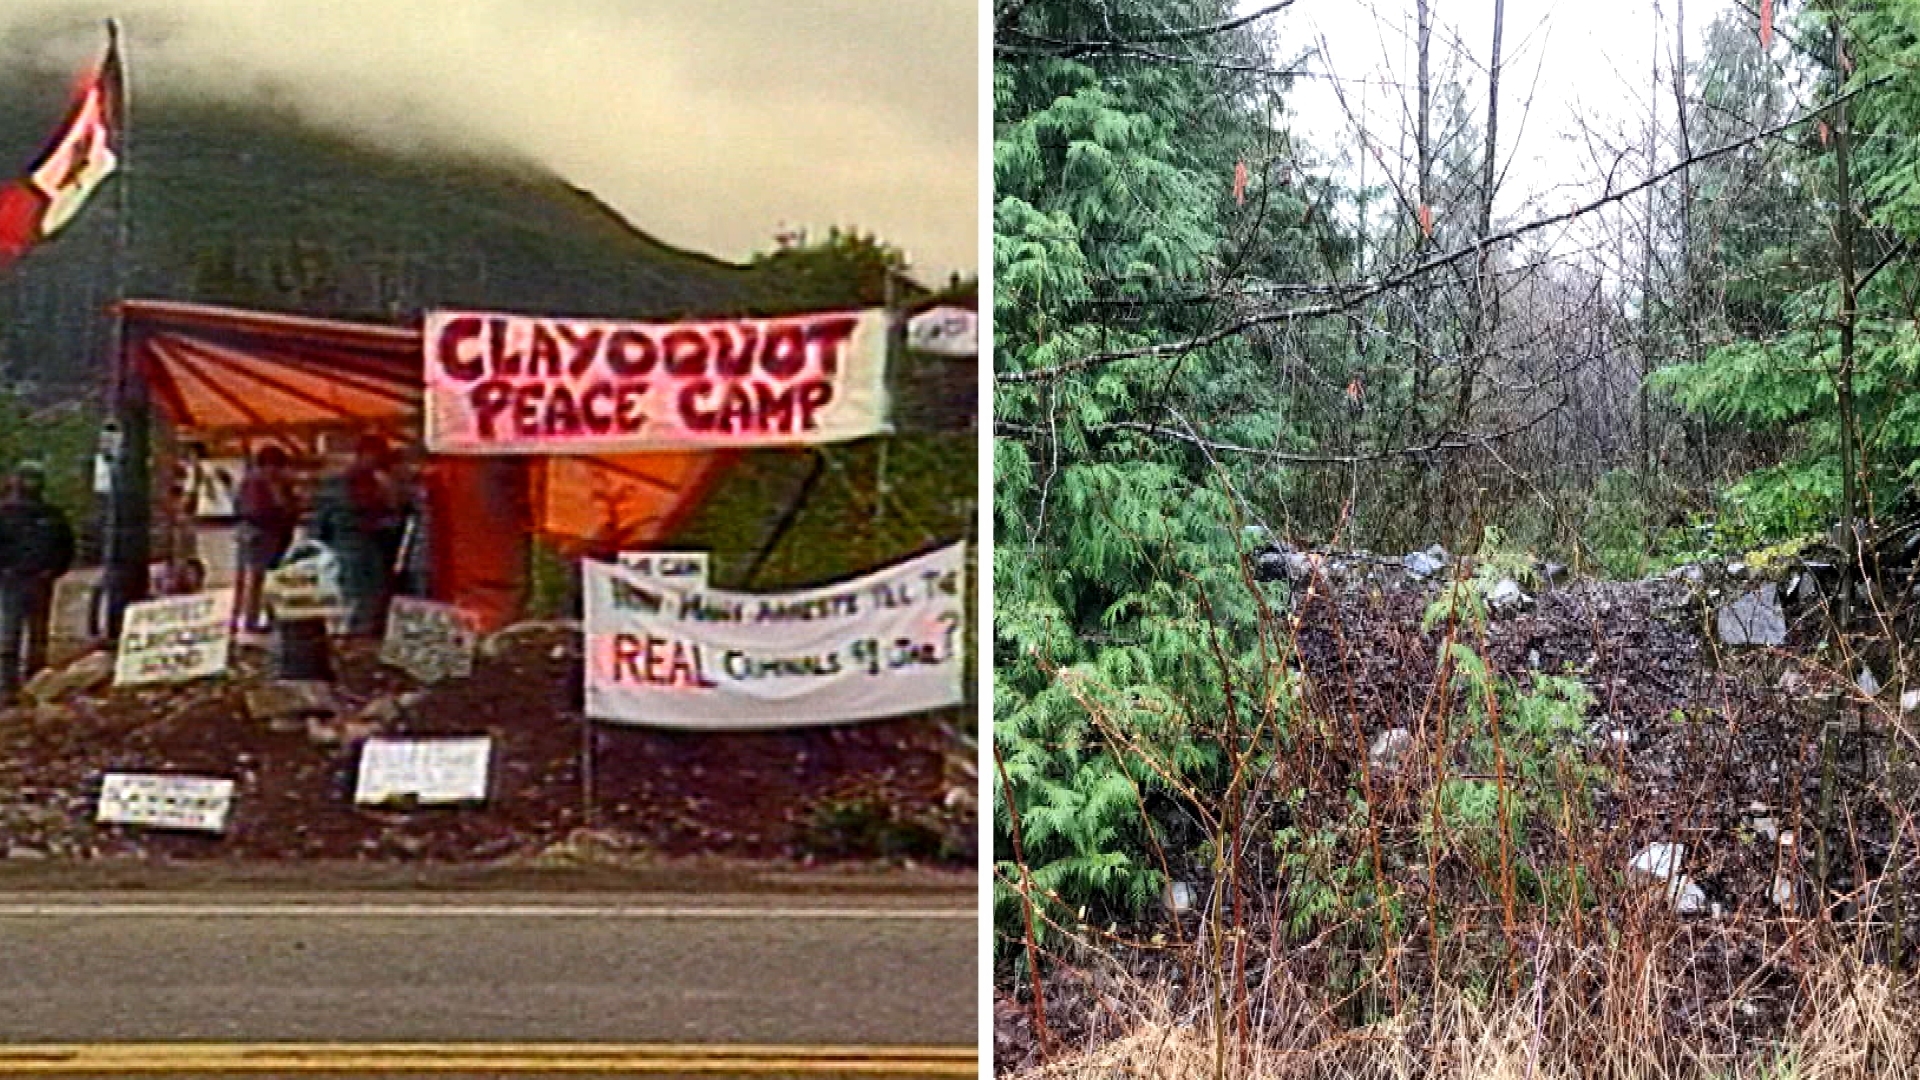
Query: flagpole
x,y
128,514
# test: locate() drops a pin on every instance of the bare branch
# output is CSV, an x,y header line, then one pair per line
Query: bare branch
x,y
1358,292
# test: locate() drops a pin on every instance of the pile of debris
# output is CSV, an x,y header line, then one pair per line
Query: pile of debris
x,y
557,782
1710,692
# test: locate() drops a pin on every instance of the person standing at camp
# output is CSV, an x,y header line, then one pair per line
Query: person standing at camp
x,y
268,511
36,547
365,523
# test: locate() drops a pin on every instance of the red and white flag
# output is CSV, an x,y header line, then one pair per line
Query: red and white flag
x,y
82,154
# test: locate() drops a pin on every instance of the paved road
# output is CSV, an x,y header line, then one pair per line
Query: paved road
x,y
757,970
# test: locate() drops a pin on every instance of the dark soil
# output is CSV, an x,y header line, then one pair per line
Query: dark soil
x,y
856,791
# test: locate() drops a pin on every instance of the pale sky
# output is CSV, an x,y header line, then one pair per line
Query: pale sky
x,y
1572,58
710,124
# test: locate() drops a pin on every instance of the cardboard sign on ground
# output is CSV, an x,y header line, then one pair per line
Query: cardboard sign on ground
x,y
429,641
165,802
436,770
175,639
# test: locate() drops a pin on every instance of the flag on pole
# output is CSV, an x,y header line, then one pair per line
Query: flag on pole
x,y
80,157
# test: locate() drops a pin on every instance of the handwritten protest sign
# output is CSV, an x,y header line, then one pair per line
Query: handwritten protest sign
x,y
945,331
307,585
429,641
519,384
679,569
165,802
176,639
881,645
440,770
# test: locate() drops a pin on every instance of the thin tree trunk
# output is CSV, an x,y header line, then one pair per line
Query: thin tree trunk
x,y
1484,303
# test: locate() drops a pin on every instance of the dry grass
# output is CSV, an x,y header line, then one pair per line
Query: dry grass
x,y
1854,1022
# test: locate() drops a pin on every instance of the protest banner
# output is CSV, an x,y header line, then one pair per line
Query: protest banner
x,y
678,569
522,384
437,770
885,644
165,802
175,639
945,331
429,641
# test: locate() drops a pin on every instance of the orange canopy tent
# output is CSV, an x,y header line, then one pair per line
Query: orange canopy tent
x,y
225,373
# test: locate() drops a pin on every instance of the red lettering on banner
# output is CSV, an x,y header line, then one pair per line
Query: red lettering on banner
x,y
785,352
504,360
454,360
522,381
585,345
630,352
599,421
832,335
490,399
546,352
733,348
658,662
686,353
753,408
633,408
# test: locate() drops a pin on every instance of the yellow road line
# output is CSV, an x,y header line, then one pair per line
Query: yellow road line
x,y
163,1059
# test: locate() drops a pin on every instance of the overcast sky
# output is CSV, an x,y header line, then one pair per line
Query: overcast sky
x,y
710,124
1562,60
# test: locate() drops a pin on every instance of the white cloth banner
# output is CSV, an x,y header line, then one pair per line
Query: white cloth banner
x,y
885,644
176,639
522,384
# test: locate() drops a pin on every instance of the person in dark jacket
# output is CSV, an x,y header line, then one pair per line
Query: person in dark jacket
x,y
268,511
36,548
363,517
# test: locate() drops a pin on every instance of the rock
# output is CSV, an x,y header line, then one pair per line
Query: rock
x,y
1301,566
1660,861
1390,746
1768,828
24,853
1736,569
412,699
1910,701
1754,619
1867,683
1421,565
89,673
1269,566
324,731
1783,894
287,699
1688,898
380,711
1507,598
1179,897
496,643
1621,738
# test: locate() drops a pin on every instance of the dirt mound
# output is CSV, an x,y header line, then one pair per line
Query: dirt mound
x,y
852,791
